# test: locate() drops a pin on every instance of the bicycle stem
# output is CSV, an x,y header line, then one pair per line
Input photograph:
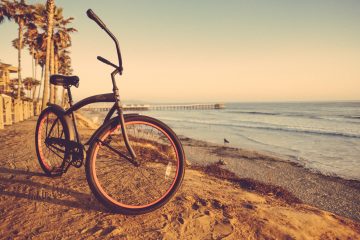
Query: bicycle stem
x,y
121,115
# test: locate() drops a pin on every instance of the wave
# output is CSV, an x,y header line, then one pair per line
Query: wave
x,y
352,117
306,131
338,118
286,114
254,112
246,124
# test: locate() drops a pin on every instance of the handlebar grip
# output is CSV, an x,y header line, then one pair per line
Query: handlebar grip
x,y
101,59
96,19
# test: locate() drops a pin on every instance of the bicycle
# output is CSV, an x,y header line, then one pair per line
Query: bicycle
x,y
134,163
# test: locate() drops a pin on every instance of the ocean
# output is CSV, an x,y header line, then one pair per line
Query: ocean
x,y
322,136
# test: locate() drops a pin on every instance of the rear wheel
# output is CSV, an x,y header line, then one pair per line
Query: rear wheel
x,y
124,186
51,137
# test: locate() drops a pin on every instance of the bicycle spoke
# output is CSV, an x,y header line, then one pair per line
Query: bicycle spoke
x,y
47,122
58,149
58,129
53,125
114,150
55,152
148,180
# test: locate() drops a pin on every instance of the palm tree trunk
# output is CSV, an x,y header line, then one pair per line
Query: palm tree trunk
x,y
52,68
35,77
36,67
50,15
56,71
41,81
32,62
63,103
19,59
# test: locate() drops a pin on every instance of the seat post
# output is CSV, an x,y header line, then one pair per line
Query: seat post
x,y
70,96
73,115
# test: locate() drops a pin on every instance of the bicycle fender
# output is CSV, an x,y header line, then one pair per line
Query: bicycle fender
x,y
67,119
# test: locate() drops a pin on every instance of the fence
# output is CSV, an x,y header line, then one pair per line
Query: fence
x,y
14,111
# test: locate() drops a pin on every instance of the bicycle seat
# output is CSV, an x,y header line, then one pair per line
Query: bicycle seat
x,y
65,81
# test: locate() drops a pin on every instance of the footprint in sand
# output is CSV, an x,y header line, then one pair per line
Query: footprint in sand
x,y
206,219
222,229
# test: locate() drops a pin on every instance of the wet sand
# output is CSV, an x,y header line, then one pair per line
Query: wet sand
x,y
33,206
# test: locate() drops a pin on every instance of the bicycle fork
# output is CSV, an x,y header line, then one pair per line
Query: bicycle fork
x,y
121,118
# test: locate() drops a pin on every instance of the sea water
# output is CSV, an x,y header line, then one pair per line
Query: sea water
x,y
323,136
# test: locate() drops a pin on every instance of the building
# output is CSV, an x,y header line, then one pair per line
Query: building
x,y
5,71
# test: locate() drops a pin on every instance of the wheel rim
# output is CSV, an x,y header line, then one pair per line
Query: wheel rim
x,y
51,155
125,185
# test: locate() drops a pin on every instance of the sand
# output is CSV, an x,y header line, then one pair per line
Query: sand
x,y
206,207
329,193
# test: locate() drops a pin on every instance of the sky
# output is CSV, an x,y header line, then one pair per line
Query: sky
x,y
214,51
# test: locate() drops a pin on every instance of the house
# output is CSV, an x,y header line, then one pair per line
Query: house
x,y
5,71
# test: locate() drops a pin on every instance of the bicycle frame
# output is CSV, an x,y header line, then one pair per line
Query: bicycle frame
x,y
108,97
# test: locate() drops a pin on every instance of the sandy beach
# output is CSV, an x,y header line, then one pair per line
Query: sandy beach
x,y
267,198
329,193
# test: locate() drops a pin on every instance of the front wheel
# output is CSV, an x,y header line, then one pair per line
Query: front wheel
x,y
129,188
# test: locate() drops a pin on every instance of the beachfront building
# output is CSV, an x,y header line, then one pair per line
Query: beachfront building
x,y
5,71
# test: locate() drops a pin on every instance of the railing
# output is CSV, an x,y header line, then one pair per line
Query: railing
x,y
14,111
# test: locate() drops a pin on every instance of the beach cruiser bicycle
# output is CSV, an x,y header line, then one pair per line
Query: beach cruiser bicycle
x,y
134,163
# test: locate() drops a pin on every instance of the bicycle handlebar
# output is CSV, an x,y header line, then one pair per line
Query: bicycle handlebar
x,y
96,19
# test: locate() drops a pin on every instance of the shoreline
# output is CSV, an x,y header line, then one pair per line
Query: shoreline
x,y
264,154
269,154
330,193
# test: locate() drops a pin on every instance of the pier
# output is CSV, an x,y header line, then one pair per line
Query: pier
x,y
158,107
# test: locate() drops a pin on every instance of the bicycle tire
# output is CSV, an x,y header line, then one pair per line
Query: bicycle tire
x,y
51,165
152,154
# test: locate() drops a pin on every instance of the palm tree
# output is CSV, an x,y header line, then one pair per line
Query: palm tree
x,y
30,40
21,13
41,57
29,84
35,39
42,61
15,87
64,68
41,14
61,40
50,4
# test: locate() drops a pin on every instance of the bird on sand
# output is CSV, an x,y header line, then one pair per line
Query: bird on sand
x,y
226,141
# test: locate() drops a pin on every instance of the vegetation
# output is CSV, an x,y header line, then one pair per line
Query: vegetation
x,y
44,30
